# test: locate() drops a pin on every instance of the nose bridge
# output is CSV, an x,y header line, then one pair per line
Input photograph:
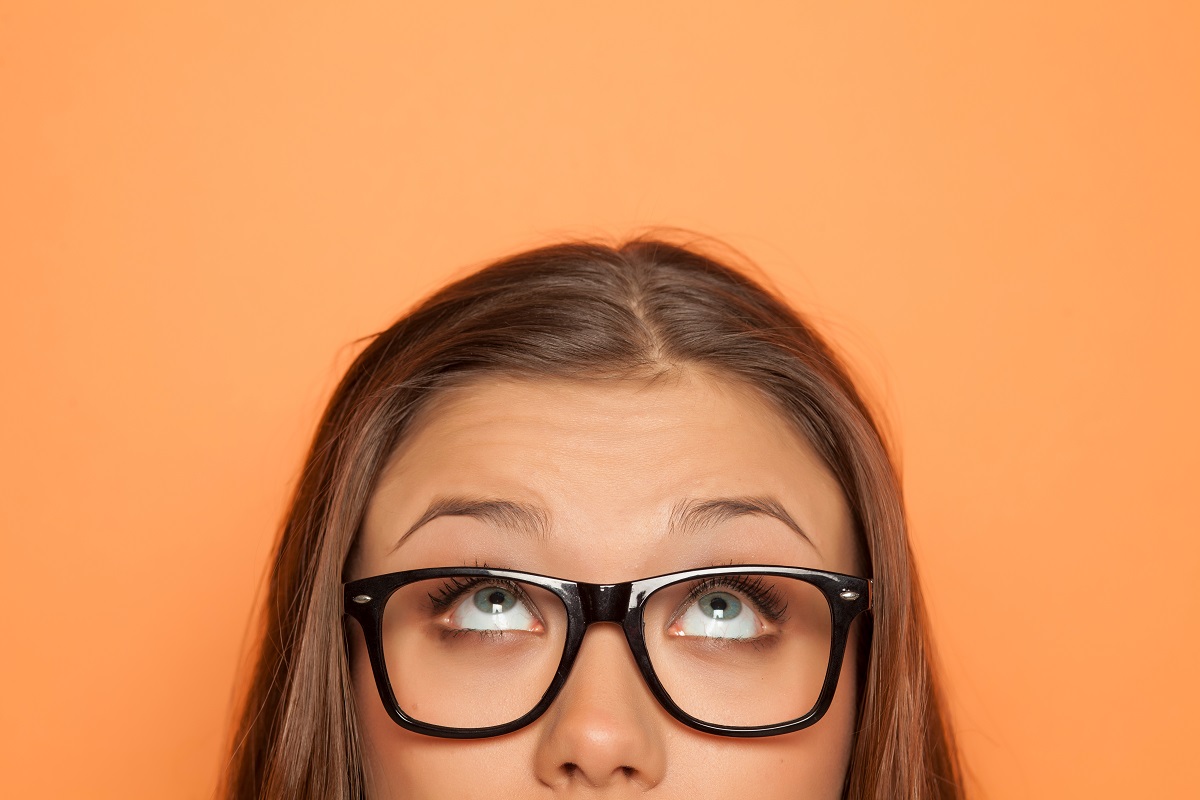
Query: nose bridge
x,y
604,602
604,733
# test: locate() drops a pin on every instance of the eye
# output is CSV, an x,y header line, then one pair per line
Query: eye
x,y
494,608
717,615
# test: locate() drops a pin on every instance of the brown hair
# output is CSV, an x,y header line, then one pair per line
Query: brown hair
x,y
585,310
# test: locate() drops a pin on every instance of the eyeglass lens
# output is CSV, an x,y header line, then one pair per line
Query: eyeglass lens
x,y
738,650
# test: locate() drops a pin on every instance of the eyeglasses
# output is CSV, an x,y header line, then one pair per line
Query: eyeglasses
x,y
469,652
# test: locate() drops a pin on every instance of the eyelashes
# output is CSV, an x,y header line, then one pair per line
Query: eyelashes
x,y
766,598
452,589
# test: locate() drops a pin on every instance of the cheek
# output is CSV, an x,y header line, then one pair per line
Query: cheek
x,y
401,764
388,750
811,763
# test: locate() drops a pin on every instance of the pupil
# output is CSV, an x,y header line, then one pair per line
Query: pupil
x,y
496,598
718,604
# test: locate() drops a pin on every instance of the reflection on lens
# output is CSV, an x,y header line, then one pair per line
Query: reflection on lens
x,y
743,650
471,652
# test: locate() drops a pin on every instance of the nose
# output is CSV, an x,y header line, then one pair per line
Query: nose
x,y
605,729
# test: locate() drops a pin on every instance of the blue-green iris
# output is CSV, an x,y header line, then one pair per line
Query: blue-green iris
x,y
493,600
720,605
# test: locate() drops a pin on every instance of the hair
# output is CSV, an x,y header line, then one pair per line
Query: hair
x,y
582,310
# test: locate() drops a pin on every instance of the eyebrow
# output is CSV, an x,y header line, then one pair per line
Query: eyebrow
x,y
687,516
524,518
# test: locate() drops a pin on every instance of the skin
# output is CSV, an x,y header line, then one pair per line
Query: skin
x,y
606,461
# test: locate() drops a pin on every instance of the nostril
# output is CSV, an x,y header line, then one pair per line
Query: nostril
x,y
572,770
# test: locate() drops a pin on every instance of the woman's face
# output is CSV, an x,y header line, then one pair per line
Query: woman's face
x,y
606,463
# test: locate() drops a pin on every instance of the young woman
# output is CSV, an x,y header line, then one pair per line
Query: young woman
x,y
596,522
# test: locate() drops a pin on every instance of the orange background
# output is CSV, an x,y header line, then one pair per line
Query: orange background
x,y
992,207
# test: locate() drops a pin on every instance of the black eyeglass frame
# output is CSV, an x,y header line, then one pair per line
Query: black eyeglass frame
x,y
619,603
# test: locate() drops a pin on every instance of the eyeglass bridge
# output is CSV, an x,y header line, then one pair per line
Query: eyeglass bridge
x,y
604,602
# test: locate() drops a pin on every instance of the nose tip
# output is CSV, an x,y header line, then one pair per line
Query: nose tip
x,y
603,754
605,727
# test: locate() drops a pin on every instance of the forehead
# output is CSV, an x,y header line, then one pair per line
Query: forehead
x,y
609,464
